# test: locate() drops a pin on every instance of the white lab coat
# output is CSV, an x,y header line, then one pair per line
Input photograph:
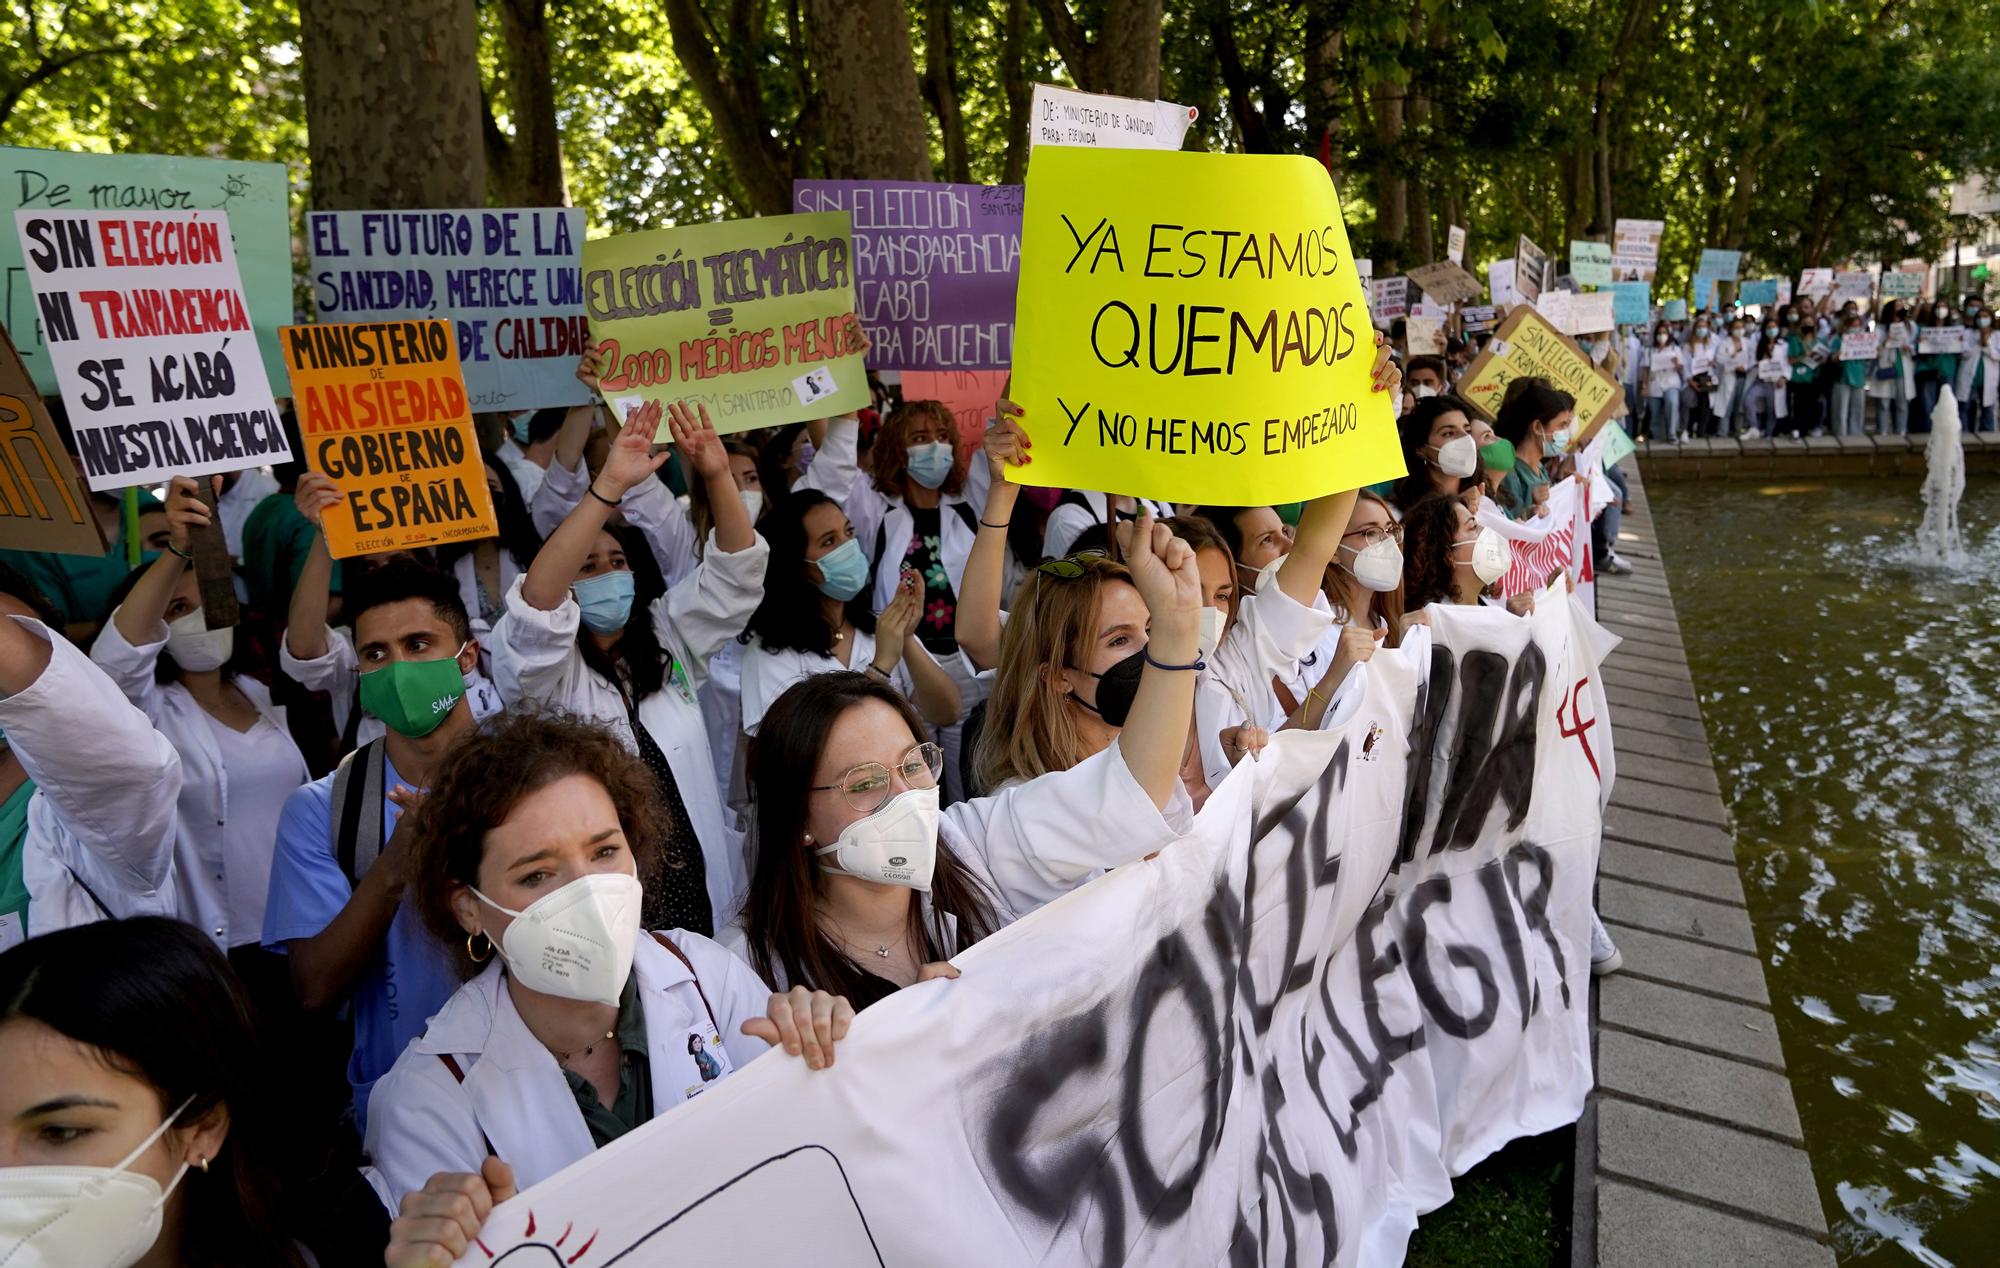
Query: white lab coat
x,y
102,817
536,658
1034,840
1272,633
1989,355
527,476
200,866
465,571
422,1120
1066,523
338,674
885,518
649,507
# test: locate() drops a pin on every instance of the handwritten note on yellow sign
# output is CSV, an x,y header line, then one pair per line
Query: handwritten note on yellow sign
x,y
1525,346
1190,328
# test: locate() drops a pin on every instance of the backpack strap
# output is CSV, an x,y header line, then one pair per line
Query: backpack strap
x,y
358,832
458,1073
681,955
968,516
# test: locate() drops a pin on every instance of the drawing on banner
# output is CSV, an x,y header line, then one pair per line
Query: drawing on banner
x,y
935,268
1590,263
383,413
1364,969
144,319
1199,332
1446,282
1064,116
43,505
1531,266
969,395
254,197
730,316
1527,345
506,279
1635,249
1454,250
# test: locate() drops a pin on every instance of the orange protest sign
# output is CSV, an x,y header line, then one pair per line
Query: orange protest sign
x,y
383,412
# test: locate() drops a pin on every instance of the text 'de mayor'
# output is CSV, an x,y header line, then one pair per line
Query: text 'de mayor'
x,y
146,326
384,415
1191,328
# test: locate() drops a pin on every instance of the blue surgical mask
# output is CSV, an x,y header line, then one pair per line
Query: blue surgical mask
x,y
930,465
521,425
606,600
843,570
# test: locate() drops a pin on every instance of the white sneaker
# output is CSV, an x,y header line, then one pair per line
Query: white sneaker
x,y
1605,958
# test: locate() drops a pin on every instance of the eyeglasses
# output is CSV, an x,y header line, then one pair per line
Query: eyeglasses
x,y
870,786
1376,536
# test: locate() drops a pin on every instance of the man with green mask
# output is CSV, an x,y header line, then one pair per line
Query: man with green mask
x,y
338,877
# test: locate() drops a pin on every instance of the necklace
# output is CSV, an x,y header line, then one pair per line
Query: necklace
x,y
562,1058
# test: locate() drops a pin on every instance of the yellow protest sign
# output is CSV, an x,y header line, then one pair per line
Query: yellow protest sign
x,y
1527,346
383,411
1190,327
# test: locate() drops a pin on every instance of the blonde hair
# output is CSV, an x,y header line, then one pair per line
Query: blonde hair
x,y
1051,625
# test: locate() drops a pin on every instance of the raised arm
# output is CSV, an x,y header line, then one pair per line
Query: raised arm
x,y
631,460
1154,738
1325,519
977,624
305,619
138,618
702,453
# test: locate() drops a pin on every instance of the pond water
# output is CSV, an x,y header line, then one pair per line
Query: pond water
x,y
1852,699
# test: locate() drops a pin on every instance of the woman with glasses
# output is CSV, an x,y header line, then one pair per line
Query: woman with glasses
x,y
593,629
863,885
574,1025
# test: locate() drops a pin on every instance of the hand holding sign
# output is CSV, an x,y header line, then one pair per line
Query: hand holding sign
x,y
446,1215
590,365
186,512
1006,444
314,495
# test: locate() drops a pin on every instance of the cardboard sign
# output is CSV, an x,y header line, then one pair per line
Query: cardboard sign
x,y
255,197
1531,265
144,318
935,268
1940,339
1064,116
1199,332
1764,291
384,413
43,505
1555,307
1590,263
1635,249
1446,282
1388,299
1859,287
1632,303
1593,314
1720,264
968,394
1897,284
506,280
1528,346
1814,283
1856,345
735,316
1454,249
1424,337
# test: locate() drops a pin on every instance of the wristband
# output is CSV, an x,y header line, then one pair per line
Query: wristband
x,y
879,671
591,489
990,524
175,550
1198,664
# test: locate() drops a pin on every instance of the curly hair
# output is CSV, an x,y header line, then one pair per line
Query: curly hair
x,y
891,456
487,774
1428,532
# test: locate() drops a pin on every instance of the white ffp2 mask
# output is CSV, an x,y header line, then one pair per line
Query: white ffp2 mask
x,y
1490,557
1213,622
197,648
577,942
1378,567
55,1216
1458,456
897,845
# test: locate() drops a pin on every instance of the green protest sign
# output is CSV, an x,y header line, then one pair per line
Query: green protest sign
x,y
753,319
254,197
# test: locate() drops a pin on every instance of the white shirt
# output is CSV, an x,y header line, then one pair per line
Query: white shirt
x,y
768,674
238,500
527,476
264,767
1663,373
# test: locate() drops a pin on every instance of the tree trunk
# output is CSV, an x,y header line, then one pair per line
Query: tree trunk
x,y
1325,33
1125,57
392,104
941,88
736,107
1392,222
1019,92
526,169
867,78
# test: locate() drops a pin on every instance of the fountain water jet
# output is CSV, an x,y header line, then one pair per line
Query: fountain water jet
x,y
1938,540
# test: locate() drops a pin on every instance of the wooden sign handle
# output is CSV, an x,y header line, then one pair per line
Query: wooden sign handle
x,y
211,564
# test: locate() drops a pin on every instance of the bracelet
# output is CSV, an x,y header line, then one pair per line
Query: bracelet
x,y
990,524
880,672
1199,663
591,489
175,550
1312,694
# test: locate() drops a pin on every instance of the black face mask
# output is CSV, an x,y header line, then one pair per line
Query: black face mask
x,y
1116,688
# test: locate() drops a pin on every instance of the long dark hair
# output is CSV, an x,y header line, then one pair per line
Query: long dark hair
x,y
245,645
788,617
1428,533
786,881
159,1002
1414,430
1529,401
517,527
639,646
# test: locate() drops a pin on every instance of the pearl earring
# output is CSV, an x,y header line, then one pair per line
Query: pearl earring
x,y
809,838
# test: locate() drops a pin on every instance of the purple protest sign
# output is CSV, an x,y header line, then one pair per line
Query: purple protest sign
x,y
934,269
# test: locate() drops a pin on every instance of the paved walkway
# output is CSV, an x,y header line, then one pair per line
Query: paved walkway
x,y
1690,1152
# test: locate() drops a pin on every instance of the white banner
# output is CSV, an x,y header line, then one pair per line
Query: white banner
x,y
145,323
1363,971
1064,116
509,281
1542,545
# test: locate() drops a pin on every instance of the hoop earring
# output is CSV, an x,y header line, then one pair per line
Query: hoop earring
x,y
474,956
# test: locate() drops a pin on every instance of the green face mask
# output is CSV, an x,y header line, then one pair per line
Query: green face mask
x,y
1498,456
1289,512
412,697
